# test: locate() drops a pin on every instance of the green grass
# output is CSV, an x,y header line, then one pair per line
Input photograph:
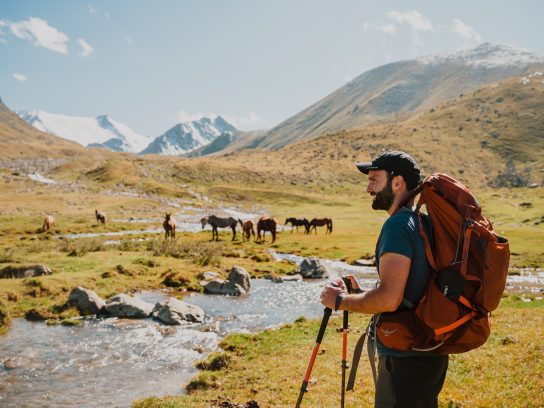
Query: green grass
x,y
268,367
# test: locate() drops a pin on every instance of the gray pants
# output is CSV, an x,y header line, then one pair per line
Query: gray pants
x,y
410,382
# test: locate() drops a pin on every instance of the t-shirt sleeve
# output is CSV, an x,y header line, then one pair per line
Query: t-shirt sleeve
x,y
396,237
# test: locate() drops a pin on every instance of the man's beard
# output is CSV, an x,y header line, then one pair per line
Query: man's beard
x,y
384,199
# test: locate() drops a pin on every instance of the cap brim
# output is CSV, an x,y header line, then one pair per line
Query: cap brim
x,y
366,167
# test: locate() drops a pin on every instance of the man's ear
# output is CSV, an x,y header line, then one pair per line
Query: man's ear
x,y
398,182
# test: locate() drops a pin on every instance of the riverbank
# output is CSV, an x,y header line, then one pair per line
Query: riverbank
x,y
268,367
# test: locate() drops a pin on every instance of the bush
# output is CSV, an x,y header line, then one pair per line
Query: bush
x,y
79,247
200,253
214,362
4,319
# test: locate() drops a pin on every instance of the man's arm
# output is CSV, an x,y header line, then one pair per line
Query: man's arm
x,y
394,270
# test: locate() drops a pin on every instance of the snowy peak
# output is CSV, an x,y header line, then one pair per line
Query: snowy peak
x,y
485,55
185,137
101,131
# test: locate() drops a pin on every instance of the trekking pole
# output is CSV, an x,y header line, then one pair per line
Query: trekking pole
x,y
304,388
345,328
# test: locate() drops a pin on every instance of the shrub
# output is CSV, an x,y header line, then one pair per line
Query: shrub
x,y
79,247
200,253
214,362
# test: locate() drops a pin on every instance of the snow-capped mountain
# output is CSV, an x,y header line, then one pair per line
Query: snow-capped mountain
x,y
402,87
485,55
100,131
188,136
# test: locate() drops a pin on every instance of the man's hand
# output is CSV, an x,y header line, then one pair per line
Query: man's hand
x,y
330,292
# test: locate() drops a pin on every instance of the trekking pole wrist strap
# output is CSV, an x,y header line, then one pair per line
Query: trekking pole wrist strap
x,y
338,301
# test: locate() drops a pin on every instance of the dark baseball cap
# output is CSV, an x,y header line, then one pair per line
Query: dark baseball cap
x,y
397,163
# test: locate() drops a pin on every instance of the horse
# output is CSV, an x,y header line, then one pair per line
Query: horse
x,y
217,222
248,229
266,224
100,217
48,223
297,222
169,226
319,222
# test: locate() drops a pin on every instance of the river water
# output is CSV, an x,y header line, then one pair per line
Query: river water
x,y
111,362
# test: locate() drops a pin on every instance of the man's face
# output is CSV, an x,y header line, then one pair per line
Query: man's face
x,y
379,187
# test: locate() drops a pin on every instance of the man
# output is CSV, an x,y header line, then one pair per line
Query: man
x,y
405,379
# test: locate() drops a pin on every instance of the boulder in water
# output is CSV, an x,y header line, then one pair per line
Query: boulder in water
x,y
123,305
173,311
237,283
312,268
86,301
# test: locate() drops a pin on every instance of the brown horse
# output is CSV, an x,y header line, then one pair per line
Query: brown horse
x,y
217,222
48,223
319,222
297,222
100,217
266,224
169,226
248,229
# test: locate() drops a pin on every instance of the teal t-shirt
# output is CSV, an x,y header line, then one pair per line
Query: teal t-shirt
x,y
400,235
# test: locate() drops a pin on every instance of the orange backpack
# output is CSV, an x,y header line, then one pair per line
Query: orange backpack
x,y
469,267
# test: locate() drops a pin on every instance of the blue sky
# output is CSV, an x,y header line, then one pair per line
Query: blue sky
x,y
151,64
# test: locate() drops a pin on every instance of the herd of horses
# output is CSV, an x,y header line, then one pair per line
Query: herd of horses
x,y
263,225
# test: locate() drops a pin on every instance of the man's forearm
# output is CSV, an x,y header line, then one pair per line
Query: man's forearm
x,y
371,302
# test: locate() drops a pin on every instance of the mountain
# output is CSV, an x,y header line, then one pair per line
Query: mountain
x,y
18,140
100,131
188,136
228,142
400,89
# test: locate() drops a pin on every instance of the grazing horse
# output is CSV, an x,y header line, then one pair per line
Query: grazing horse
x,y
48,223
267,224
297,222
100,217
248,229
217,222
319,222
169,226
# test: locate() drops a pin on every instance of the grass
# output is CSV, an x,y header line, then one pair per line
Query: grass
x,y
505,372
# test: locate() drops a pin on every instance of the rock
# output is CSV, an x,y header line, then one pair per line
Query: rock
x,y
86,301
287,278
38,315
174,311
210,275
312,268
123,305
236,284
365,262
20,272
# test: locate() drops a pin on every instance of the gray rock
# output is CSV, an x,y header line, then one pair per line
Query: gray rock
x,y
173,311
237,283
123,305
210,275
20,272
312,268
86,301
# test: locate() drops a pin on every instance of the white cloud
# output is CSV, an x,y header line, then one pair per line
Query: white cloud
x,y
128,38
250,121
20,77
92,10
2,24
414,18
183,116
465,30
41,34
86,49
388,28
